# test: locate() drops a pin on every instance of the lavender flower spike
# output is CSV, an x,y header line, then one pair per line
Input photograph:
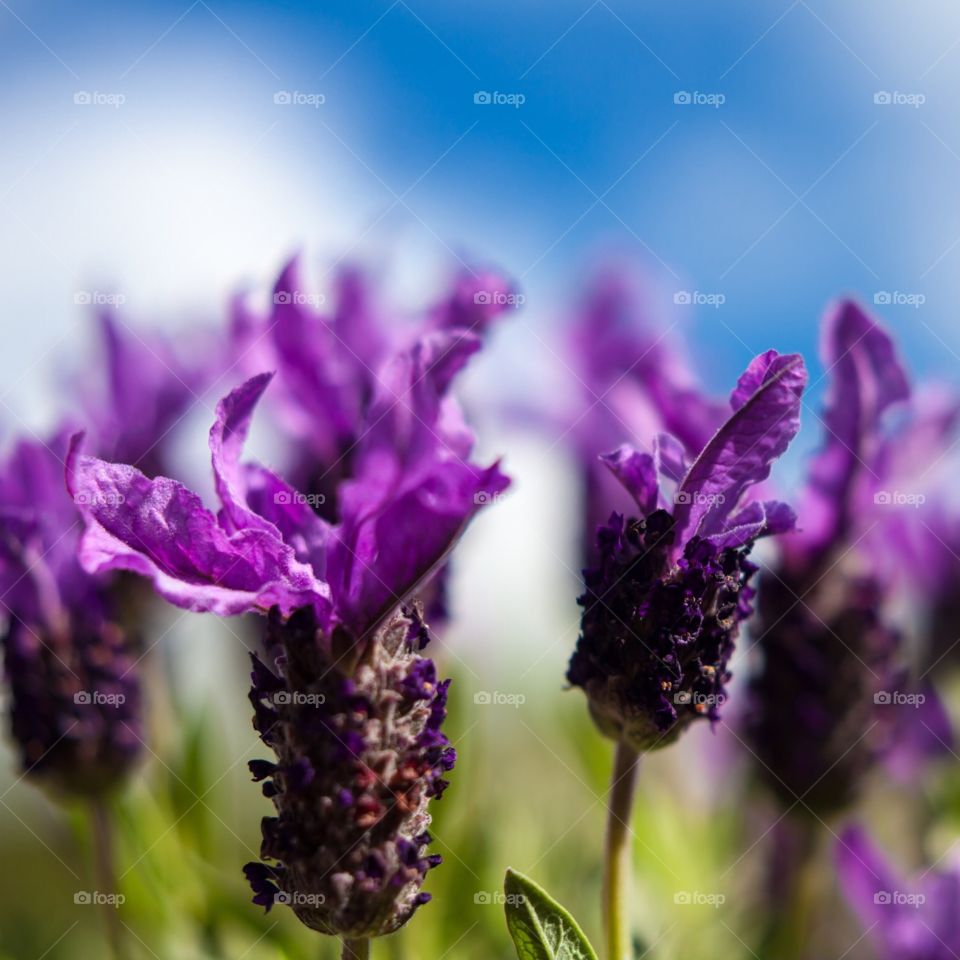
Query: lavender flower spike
x,y
346,701
70,667
827,648
664,602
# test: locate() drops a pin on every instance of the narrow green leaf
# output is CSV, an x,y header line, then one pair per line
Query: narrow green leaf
x,y
540,927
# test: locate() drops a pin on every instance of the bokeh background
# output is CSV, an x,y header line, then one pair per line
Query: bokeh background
x,y
748,161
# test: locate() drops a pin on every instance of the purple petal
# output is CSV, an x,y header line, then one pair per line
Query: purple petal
x,y
865,875
637,473
744,448
161,530
761,518
865,379
413,491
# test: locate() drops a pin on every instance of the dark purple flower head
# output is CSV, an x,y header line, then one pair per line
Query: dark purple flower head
x,y
664,603
829,655
358,758
906,919
348,705
70,666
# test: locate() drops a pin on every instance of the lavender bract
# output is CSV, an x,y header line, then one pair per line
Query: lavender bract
x,y
664,603
629,380
348,704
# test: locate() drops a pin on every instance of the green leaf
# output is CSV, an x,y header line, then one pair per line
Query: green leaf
x,y
540,927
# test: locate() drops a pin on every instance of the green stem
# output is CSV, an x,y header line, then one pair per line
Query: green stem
x,y
617,861
103,867
355,950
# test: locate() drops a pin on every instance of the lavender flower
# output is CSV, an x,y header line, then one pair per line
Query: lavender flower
x,y
829,653
906,919
663,604
348,704
69,664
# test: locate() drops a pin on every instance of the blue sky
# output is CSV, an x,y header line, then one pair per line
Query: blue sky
x,y
797,187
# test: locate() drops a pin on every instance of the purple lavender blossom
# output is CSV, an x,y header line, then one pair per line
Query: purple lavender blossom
x,y
663,606
350,707
830,656
906,919
69,661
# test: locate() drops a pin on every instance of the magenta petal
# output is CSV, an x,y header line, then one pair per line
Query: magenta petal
x,y
413,489
865,379
765,420
637,473
227,437
161,530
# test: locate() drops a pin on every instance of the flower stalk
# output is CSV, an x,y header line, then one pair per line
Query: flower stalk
x,y
617,854
105,874
355,950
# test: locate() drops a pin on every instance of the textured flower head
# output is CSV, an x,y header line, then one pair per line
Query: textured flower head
x,y
70,667
664,602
